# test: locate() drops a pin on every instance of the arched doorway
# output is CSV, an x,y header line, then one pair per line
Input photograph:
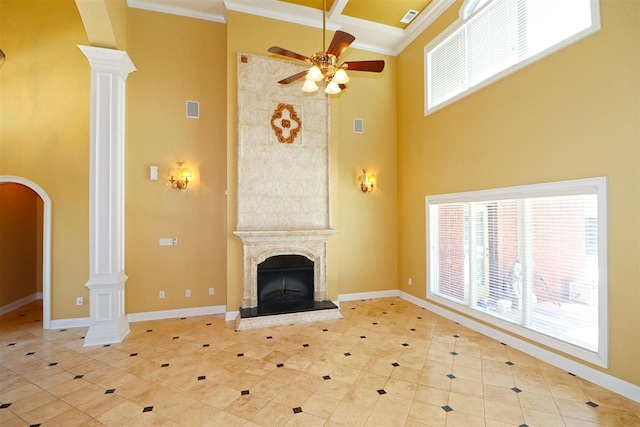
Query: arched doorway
x,y
46,243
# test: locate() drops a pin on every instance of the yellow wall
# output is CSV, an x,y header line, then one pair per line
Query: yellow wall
x,y
105,22
177,59
44,130
20,261
362,256
574,114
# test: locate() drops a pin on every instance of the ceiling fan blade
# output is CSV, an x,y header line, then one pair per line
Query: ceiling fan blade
x,y
340,42
293,78
285,52
374,66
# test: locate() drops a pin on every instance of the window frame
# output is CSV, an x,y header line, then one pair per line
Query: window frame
x,y
596,185
467,12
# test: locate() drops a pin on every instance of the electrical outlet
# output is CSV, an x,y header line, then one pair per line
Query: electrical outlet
x,y
161,295
187,293
410,282
79,301
211,291
175,241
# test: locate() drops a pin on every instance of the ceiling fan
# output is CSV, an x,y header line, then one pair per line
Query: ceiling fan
x,y
324,65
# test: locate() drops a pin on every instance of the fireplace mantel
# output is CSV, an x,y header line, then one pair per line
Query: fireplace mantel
x,y
262,244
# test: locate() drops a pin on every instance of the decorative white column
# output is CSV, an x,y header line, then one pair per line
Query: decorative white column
x,y
109,71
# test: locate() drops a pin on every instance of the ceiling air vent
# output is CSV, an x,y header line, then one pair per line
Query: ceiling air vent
x,y
409,16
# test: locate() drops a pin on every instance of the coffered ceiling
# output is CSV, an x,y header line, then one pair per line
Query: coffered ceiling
x,y
376,24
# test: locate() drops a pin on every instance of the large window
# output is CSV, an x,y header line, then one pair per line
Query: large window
x,y
494,38
529,259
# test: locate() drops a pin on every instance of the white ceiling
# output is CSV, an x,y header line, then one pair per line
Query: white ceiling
x,y
370,36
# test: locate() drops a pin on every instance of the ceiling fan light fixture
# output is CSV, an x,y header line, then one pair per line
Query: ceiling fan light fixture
x,y
332,88
315,74
309,86
341,76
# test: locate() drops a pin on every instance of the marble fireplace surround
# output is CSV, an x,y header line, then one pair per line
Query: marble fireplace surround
x,y
283,191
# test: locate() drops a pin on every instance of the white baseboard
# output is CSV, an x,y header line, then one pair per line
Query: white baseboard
x,y
607,381
368,295
177,313
17,304
78,322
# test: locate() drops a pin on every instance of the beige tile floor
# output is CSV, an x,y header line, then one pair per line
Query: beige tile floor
x,y
387,363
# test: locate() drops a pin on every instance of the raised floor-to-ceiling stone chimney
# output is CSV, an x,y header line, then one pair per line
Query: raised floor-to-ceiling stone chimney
x,y
283,179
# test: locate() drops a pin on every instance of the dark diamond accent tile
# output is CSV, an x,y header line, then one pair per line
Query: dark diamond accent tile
x,y
419,317
502,343
183,318
510,363
396,364
353,308
244,392
381,392
393,303
208,324
53,364
240,354
147,409
149,330
447,408
133,354
107,345
362,336
77,377
324,330
456,336
454,353
63,330
35,425
269,338
523,425
592,404
451,376
205,345
202,377
280,365
31,353
11,343
305,345
384,312
404,344
175,338
347,354
326,377
164,365
81,338
573,375
516,389
375,323
110,391
413,329
5,405
297,410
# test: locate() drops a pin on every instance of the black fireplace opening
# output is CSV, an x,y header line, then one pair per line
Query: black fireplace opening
x,y
284,279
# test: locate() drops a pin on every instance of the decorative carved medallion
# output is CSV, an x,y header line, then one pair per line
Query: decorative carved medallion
x,y
286,123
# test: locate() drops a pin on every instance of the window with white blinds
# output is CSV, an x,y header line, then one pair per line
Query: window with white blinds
x,y
529,259
497,38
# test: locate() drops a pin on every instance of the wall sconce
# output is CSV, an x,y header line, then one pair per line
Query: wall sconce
x,y
367,182
179,177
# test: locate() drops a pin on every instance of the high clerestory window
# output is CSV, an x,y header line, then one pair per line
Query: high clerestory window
x,y
531,260
494,38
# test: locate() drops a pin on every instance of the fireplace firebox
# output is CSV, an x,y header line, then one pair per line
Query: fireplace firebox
x,y
284,279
